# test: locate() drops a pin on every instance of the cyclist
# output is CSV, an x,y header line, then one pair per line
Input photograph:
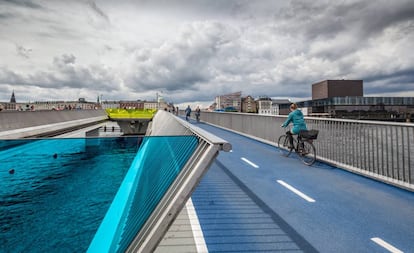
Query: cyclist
x,y
296,117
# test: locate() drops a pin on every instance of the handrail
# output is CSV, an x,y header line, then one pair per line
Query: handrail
x,y
376,149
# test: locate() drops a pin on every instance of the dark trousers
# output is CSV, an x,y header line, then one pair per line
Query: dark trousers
x,y
290,137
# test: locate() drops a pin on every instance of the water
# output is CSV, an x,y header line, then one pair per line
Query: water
x,y
59,192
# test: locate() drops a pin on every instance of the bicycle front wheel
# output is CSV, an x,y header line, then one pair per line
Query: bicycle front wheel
x,y
307,153
283,145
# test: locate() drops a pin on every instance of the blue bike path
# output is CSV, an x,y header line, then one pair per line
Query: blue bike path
x,y
318,208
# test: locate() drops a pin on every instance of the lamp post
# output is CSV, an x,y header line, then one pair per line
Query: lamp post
x,y
158,101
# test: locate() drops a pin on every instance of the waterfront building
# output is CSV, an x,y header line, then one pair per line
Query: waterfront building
x,y
13,98
150,105
276,104
9,106
81,104
248,105
337,88
264,105
269,106
369,108
49,105
229,100
109,104
345,99
131,104
85,105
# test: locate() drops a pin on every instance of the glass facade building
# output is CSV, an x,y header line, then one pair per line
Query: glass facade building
x,y
373,108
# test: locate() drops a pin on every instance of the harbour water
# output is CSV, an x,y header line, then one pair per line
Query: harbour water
x,y
54,193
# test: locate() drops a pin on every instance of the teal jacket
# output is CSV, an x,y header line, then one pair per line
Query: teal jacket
x,y
296,117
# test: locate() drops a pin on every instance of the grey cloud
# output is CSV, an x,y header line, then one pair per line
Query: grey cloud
x,y
263,47
180,64
211,6
22,3
64,74
5,15
64,60
402,80
23,52
97,10
331,39
362,19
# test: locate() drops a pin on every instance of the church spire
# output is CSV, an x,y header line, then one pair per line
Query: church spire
x,y
13,98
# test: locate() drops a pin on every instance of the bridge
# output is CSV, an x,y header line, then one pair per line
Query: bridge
x,y
289,206
357,198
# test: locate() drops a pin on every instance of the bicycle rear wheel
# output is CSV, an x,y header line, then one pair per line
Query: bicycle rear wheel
x,y
284,145
307,153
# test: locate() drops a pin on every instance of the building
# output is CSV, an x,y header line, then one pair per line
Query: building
x,y
109,104
81,104
277,104
337,88
9,106
13,98
248,105
133,104
232,100
151,105
47,105
364,108
264,104
344,99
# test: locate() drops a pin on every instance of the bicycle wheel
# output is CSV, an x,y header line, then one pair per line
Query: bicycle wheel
x,y
284,145
307,153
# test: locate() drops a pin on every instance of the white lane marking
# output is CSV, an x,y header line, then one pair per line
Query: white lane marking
x,y
302,195
249,162
196,228
386,245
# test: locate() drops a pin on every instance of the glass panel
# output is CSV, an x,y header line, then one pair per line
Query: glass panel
x,y
157,164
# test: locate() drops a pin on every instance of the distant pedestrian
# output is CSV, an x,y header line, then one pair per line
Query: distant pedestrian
x,y
197,113
187,113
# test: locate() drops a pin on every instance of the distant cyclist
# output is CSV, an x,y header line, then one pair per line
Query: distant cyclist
x,y
187,112
296,117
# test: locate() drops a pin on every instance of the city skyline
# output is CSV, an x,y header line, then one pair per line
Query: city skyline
x,y
193,51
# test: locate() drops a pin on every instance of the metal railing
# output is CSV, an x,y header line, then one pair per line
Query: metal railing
x,y
171,161
379,150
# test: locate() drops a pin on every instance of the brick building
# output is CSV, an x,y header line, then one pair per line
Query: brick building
x,y
337,88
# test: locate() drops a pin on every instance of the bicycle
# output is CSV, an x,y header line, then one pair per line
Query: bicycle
x,y
302,145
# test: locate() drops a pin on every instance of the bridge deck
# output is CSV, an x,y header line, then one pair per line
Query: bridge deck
x,y
243,204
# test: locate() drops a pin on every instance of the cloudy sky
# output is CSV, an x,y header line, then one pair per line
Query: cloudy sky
x,y
194,50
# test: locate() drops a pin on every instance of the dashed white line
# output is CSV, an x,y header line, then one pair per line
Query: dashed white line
x,y
249,162
386,245
294,190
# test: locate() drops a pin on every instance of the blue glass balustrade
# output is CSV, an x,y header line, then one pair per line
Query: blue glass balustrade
x,y
156,165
